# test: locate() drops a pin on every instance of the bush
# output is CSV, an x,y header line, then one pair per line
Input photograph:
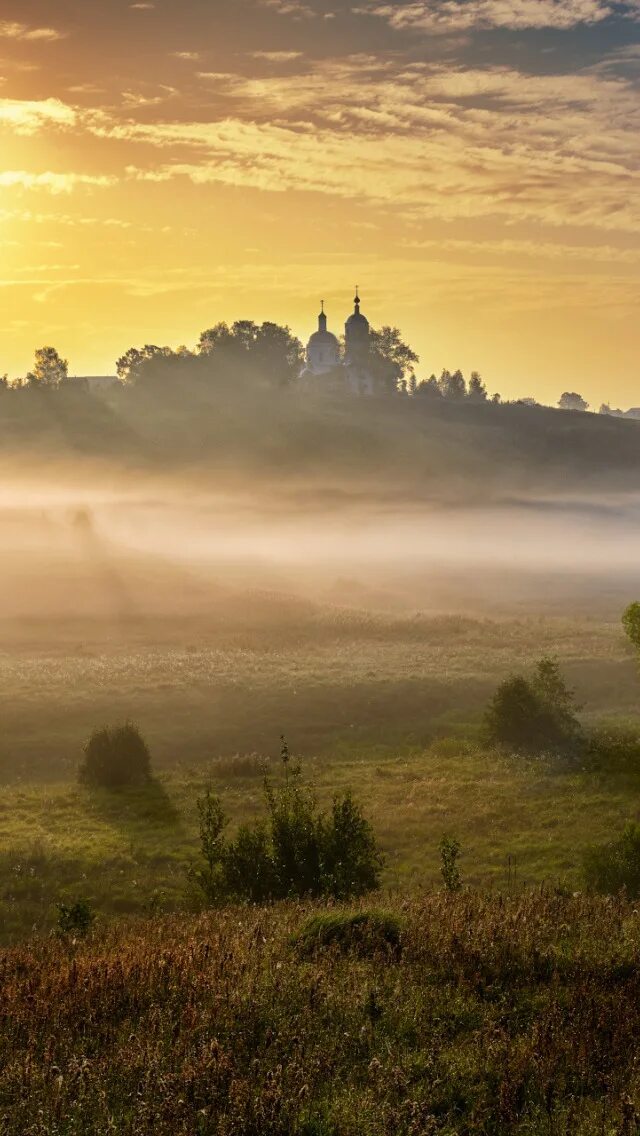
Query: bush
x,y
534,715
614,749
610,868
76,920
366,933
299,852
115,757
449,853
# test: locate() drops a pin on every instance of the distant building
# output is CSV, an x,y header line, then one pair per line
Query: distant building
x,y
633,412
356,371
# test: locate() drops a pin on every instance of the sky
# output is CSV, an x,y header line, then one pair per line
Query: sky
x,y
474,165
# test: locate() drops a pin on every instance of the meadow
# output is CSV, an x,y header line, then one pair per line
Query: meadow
x,y
450,1014
388,705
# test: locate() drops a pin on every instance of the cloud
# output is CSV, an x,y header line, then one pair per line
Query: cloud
x,y
426,142
295,8
26,116
12,30
276,56
52,182
464,15
534,250
188,56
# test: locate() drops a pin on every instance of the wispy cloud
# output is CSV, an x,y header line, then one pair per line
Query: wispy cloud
x,y
463,15
295,8
27,116
52,182
276,56
10,29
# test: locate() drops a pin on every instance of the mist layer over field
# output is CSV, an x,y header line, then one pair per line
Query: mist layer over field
x,y
89,546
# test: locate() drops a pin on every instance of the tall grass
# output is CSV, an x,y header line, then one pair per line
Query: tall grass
x,y
499,1015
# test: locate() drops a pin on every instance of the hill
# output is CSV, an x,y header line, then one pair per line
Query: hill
x,y
448,448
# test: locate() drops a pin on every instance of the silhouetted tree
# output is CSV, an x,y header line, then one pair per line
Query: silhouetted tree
x,y
570,400
268,350
394,355
477,389
130,366
452,386
50,369
429,388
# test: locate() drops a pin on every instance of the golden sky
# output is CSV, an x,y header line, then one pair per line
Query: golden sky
x,y
473,164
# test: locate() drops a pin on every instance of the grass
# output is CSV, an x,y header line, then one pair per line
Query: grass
x,y
128,852
387,706
327,677
514,1015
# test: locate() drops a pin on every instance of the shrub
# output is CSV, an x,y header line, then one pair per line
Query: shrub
x,y
614,749
115,757
76,920
449,852
366,933
535,715
631,623
298,852
609,868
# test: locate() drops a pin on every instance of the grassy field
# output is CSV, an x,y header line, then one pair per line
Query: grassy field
x,y
387,706
128,853
326,677
492,1015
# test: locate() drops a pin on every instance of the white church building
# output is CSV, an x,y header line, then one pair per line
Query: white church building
x,y
355,371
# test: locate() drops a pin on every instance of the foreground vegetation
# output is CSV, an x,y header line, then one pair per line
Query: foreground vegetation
x,y
129,853
450,1014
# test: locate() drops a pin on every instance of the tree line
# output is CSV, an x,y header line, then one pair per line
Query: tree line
x,y
270,355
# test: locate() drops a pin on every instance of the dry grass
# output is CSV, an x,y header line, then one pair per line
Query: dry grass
x,y
501,1015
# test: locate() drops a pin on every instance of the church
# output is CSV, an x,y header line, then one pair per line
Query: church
x,y
357,371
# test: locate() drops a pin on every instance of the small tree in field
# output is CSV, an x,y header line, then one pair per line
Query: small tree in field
x,y
298,852
535,715
115,757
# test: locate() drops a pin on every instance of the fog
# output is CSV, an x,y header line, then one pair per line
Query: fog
x,y
83,543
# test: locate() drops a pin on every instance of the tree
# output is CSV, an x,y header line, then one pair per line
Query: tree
x,y
393,355
452,386
477,389
429,388
535,715
115,757
130,365
50,369
266,351
570,400
299,851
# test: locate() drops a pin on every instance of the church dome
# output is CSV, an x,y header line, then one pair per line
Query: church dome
x,y
323,348
323,338
357,325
